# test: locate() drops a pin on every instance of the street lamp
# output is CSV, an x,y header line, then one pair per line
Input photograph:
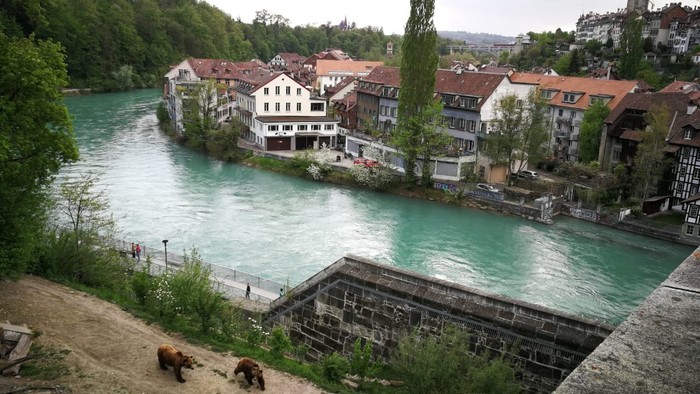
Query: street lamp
x,y
165,244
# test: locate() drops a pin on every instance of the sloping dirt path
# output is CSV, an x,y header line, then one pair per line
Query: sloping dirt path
x,y
113,352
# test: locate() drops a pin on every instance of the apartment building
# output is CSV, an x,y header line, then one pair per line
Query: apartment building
x,y
281,114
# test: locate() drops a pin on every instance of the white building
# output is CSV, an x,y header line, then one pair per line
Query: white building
x,y
183,78
281,114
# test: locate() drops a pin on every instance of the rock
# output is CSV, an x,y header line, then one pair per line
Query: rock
x,y
350,383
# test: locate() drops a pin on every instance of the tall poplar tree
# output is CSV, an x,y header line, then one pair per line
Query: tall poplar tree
x,y
631,49
418,65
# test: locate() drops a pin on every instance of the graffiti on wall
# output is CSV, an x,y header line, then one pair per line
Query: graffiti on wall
x,y
445,186
584,214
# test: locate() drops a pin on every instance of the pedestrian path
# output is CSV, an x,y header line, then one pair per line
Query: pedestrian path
x,y
233,282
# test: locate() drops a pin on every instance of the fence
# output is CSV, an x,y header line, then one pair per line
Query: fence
x,y
233,282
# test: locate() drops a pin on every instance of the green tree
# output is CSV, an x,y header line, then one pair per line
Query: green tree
x,y
648,162
36,139
520,132
591,128
198,110
631,49
419,62
433,139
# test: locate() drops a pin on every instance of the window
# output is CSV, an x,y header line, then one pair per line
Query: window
x,y
561,112
471,125
288,90
679,188
287,127
452,123
288,107
546,94
267,107
684,169
298,91
277,90
273,128
688,134
328,127
277,107
686,152
690,230
298,107
316,127
569,98
266,91
694,211
302,127
696,173
316,107
393,112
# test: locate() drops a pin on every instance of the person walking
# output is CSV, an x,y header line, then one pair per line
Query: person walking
x,y
247,291
138,252
281,292
133,251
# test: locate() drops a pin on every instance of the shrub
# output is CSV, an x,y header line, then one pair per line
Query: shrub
x,y
443,365
335,367
254,335
162,113
142,282
160,298
195,292
361,362
279,342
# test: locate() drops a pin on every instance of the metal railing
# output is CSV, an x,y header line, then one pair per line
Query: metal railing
x,y
232,281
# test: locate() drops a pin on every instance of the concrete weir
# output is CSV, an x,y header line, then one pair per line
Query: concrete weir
x,y
656,349
358,298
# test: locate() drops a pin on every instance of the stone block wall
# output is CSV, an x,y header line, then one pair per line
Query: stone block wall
x,y
356,298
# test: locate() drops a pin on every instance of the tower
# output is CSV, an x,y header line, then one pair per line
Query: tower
x,y
637,5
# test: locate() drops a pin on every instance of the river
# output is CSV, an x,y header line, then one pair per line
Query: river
x,y
287,229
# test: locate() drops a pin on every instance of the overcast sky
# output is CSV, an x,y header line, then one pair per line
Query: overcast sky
x,y
504,17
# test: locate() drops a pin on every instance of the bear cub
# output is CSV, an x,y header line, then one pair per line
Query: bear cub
x,y
168,355
251,370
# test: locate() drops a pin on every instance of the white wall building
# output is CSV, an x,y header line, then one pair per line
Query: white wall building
x,y
281,114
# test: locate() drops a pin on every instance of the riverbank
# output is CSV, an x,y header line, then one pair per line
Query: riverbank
x,y
78,92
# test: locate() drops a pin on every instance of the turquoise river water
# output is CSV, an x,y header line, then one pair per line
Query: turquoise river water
x,y
287,229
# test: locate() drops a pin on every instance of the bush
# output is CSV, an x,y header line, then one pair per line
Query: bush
x,y
361,362
443,365
279,342
335,367
142,282
195,292
162,113
254,334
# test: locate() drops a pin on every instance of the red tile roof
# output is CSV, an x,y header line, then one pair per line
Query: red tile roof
x,y
587,86
224,69
466,83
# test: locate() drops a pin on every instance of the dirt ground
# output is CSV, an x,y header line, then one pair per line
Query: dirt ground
x,y
113,352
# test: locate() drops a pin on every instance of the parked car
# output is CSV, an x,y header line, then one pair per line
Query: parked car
x,y
487,187
527,174
366,162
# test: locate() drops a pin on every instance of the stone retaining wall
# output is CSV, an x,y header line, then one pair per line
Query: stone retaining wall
x,y
356,298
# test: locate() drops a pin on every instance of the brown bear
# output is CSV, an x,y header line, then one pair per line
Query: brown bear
x,y
251,370
167,355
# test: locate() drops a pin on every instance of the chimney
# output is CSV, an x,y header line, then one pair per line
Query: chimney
x,y
691,108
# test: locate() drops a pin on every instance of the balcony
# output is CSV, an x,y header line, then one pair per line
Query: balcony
x,y
564,120
562,134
